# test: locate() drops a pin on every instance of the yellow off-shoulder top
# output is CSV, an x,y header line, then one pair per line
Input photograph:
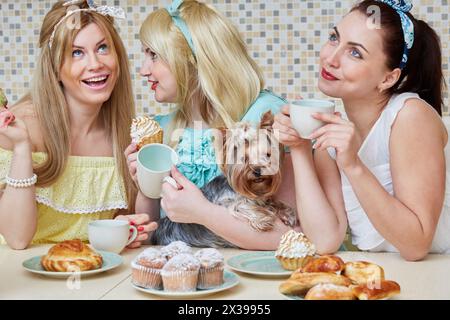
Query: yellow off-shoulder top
x,y
89,189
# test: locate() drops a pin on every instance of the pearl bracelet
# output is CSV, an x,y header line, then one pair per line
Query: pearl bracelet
x,y
21,183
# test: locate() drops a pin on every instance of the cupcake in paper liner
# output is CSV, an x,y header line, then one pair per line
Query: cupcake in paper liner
x,y
145,130
294,250
146,269
211,268
175,248
180,274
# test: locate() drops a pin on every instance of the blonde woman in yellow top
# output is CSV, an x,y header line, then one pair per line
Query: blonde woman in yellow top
x,y
61,160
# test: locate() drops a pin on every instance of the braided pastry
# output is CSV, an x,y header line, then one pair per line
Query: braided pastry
x,y
71,255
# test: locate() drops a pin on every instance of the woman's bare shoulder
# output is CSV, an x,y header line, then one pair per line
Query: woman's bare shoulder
x,y
418,116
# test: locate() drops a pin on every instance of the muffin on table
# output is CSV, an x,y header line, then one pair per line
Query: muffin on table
x,y
211,268
294,250
175,248
146,269
181,273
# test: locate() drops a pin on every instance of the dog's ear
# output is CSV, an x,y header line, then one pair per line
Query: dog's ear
x,y
267,120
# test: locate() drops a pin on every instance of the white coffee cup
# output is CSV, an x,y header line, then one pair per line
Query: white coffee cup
x,y
111,235
301,118
154,162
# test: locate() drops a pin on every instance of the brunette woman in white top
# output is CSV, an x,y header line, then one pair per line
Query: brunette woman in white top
x,y
382,172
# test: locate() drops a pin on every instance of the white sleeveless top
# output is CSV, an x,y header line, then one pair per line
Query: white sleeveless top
x,y
374,153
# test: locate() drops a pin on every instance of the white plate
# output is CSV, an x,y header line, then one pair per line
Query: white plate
x,y
261,263
110,261
230,280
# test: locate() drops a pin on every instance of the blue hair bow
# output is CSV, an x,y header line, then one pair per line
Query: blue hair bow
x,y
403,7
180,23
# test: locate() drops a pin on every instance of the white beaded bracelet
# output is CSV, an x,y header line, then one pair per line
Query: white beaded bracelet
x,y
21,183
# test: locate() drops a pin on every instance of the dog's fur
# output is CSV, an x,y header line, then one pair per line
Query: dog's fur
x,y
251,163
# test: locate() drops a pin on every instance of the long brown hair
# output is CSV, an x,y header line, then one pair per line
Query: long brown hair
x,y
50,105
423,72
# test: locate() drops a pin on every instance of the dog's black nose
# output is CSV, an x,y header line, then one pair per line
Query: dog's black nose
x,y
257,172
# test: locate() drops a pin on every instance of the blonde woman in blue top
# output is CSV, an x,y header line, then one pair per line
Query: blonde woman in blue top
x,y
196,59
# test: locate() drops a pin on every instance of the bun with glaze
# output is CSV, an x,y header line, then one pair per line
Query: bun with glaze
x,y
71,255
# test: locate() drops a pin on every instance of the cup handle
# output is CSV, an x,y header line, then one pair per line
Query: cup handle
x,y
171,181
133,236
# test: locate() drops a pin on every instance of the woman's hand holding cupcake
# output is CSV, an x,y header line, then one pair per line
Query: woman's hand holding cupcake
x,y
144,226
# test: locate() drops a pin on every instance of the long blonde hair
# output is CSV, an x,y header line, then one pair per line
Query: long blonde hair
x,y
222,78
51,108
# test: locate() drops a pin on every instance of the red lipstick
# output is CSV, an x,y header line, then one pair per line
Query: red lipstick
x,y
328,76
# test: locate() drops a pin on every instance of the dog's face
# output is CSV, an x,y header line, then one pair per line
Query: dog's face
x,y
252,158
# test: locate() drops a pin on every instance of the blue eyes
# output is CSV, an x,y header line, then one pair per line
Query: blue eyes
x,y
355,53
77,53
332,37
102,49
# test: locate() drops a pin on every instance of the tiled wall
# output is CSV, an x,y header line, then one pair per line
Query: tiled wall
x,y
284,36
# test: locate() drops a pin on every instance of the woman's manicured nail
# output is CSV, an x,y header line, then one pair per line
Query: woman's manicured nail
x,y
140,228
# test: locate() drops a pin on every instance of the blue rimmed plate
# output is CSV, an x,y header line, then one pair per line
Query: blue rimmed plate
x,y
261,263
110,261
230,279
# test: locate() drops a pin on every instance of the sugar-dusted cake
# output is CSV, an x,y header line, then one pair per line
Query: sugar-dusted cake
x,y
211,268
146,268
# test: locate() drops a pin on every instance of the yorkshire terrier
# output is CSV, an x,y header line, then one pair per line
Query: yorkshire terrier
x,y
250,159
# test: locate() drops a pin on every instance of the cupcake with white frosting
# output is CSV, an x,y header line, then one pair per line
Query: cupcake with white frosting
x,y
294,250
145,130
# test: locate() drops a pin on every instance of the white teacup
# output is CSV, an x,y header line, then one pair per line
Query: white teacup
x,y
111,235
154,162
301,118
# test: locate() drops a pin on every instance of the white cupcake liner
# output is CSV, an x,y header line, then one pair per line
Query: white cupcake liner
x,y
210,277
146,277
181,281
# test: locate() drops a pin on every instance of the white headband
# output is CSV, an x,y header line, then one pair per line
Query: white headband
x,y
114,12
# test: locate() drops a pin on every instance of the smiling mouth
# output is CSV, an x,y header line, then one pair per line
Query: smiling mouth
x,y
96,82
328,76
154,84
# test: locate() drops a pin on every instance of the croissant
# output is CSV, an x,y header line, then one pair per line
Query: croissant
x,y
299,282
71,255
324,264
362,272
330,292
382,290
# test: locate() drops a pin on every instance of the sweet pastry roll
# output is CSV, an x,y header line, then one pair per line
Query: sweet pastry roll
x,y
362,272
375,291
328,291
329,263
71,255
299,283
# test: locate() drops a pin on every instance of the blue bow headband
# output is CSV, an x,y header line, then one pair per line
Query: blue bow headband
x,y
180,23
402,7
